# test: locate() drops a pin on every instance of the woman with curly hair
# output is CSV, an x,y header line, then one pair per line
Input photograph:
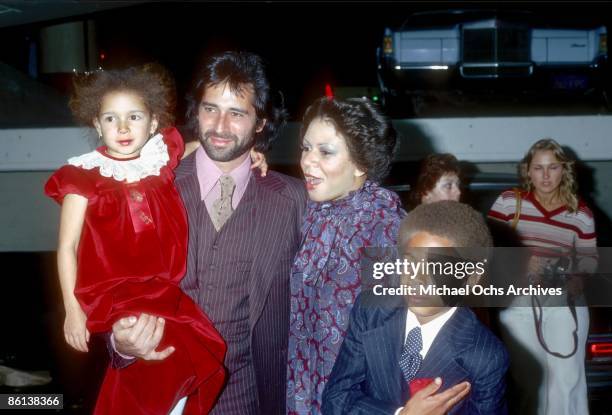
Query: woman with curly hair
x,y
347,149
439,179
547,352
123,244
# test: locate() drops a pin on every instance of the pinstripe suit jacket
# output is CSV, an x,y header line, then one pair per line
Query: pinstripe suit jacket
x,y
272,235
367,379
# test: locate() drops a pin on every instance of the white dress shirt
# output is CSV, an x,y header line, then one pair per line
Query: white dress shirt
x,y
429,331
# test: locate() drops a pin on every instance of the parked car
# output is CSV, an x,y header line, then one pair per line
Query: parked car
x,y
489,50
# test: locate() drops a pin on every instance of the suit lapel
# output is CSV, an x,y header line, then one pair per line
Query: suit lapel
x,y
441,359
269,227
382,347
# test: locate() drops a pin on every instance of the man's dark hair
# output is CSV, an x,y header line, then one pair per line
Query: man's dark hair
x,y
240,70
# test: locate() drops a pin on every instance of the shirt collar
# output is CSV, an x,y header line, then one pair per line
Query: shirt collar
x,y
429,330
208,174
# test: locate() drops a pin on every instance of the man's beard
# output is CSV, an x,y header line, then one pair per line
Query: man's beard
x,y
227,153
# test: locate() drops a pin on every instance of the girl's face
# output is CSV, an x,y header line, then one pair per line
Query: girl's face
x,y
328,169
124,123
447,188
545,172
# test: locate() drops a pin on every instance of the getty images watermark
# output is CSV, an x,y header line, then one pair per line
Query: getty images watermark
x,y
488,277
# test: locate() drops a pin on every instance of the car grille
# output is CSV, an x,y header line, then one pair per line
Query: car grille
x,y
496,71
496,45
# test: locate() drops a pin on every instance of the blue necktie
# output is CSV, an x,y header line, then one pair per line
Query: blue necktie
x,y
410,360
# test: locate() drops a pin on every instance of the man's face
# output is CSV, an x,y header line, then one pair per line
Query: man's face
x,y
227,122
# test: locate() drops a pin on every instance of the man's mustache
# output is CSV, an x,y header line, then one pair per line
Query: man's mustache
x,y
225,136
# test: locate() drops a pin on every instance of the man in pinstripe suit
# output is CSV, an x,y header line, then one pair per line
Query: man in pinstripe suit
x,y
371,375
239,257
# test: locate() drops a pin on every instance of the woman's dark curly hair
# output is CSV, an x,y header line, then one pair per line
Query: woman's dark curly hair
x,y
152,82
433,167
370,137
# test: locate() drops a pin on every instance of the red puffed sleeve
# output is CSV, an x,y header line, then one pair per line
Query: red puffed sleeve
x,y
176,145
70,179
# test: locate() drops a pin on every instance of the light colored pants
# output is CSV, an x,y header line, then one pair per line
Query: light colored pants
x,y
547,385
180,405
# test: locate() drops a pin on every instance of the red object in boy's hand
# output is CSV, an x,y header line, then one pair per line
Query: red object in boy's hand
x,y
416,385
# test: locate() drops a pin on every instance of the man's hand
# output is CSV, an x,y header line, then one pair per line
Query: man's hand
x,y
140,336
428,402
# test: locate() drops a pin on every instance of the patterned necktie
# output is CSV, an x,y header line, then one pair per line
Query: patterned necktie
x,y
410,360
222,207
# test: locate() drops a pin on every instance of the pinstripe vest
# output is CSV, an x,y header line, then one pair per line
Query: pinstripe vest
x,y
240,278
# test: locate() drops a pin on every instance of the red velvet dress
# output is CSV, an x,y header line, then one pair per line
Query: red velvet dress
x,y
131,257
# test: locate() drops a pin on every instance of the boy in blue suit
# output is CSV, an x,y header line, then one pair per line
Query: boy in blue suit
x,y
389,345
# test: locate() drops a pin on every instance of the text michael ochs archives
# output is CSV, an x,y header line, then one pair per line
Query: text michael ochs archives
x,y
444,278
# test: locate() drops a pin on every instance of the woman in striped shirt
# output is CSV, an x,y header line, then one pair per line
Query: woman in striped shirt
x,y
551,219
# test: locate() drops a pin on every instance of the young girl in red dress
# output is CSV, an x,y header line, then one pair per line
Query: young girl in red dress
x,y
123,243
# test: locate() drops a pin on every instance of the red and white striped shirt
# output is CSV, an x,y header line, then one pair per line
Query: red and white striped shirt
x,y
542,229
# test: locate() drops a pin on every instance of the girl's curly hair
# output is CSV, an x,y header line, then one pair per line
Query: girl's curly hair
x,y
152,82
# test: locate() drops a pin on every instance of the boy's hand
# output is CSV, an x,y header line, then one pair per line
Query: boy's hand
x,y
75,329
428,402
259,160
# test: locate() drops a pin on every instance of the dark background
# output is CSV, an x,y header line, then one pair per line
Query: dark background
x,y
307,45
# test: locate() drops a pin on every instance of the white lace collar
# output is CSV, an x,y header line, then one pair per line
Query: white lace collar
x,y
153,156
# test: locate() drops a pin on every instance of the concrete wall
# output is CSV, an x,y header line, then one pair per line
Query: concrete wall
x,y
28,220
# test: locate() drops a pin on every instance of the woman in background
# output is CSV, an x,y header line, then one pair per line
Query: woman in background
x,y
553,221
439,179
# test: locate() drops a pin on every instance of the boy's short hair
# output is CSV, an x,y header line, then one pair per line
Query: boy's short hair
x,y
455,221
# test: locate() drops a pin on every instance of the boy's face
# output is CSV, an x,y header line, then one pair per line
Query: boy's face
x,y
426,312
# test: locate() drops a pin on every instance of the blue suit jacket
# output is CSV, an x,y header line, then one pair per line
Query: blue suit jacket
x,y
366,378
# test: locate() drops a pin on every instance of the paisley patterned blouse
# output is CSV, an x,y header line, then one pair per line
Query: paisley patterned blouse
x,y
325,281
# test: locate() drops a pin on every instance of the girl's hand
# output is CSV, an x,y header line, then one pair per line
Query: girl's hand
x,y
190,147
75,330
259,160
